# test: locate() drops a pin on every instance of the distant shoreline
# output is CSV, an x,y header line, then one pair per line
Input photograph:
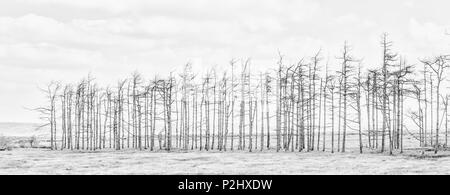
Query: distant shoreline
x,y
17,129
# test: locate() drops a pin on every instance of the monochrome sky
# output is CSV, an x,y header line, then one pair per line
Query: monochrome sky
x,y
44,40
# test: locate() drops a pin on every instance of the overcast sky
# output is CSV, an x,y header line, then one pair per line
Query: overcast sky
x,y
44,40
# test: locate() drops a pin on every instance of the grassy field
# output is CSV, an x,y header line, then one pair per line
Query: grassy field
x,y
42,161
25,160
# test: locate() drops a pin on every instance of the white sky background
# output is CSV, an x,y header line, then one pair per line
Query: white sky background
x,y
44,40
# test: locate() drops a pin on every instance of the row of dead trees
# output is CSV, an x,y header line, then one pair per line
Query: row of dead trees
x,y
299,107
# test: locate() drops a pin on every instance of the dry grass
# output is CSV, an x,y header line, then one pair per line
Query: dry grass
x,y
5,143
40,161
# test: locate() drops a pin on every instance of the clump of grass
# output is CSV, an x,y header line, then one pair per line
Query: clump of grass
x,y
30,142
5,144
34,142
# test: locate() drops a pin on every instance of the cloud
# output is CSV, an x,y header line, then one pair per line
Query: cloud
x,y
409,4
46,56
426,31
429,37
348,18
47,39
39,29
213,9
132,36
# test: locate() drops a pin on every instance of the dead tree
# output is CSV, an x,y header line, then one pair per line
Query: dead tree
x,y
425,71
331,88
278,102
358,102
417,116
168,101
346,72
214,109
388,59
262,90
438,66
368,89
233,100
267,92
325,99
48,114
446,120
315,63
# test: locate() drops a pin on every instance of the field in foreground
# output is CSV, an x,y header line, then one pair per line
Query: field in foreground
x,y
39,161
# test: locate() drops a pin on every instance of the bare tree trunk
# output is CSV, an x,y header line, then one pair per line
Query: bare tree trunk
x,y
233,99
369,132
426,105
339,115
278,105
388,57
324,92
358,102
446,121
262,111
320,114
431,109
201,118
375,109
267,111
332,118
214,111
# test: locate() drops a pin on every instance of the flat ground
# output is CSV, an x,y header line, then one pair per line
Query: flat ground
x,y
42,161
